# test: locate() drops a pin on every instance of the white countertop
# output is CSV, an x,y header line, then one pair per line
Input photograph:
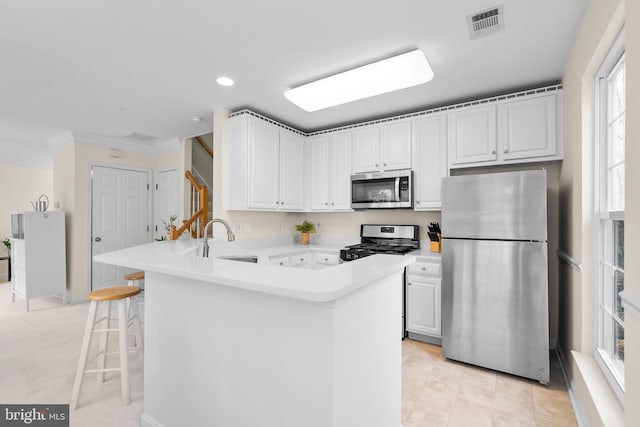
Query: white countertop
x,y
181,258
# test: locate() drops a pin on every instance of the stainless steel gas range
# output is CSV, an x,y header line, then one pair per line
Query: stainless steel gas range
x,y
385,239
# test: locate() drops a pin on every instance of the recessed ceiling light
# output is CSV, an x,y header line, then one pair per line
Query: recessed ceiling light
x,y
225,81
397,72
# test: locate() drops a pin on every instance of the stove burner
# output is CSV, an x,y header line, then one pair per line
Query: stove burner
x,y
380,245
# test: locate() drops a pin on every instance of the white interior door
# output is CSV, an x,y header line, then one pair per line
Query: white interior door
x,y
119,218
167,187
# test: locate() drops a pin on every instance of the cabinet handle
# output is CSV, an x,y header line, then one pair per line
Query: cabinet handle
x,y
98,239
506,150
326,259
281,262
377,165
493,151
417,201
384,164
408,283
301,259
326,204
424,268
332,203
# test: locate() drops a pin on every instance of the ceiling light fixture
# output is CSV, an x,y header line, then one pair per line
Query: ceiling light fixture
x,y
225,81
398,72
196,119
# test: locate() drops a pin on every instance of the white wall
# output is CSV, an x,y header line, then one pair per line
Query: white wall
x,y
602,22
72,163
20,186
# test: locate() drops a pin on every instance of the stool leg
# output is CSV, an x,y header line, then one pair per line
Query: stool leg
x,y
82,363
124,351
104,343
136,323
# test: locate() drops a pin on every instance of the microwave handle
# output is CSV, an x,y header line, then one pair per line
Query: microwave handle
x,y
397,180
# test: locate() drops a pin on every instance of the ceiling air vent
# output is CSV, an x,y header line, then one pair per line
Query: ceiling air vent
x,y
486,22
140,137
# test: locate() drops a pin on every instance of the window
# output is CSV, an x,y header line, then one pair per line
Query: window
x,y
610,181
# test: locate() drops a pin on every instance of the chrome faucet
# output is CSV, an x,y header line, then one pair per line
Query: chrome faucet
x,y
230,236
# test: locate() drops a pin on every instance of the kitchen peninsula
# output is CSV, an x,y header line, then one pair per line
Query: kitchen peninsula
x,y
242,344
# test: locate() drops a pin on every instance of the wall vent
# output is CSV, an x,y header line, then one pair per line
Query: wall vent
x,y
140,137
486,22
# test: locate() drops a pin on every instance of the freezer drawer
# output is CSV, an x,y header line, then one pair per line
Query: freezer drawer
x,y
495,305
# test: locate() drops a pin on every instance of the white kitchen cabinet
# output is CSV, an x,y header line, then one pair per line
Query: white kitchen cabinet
x,y
291,173
429,160
382,148
423,300
281,260
512,129
263,157
38,255
266,165
331,172
528,128
423,306
472,135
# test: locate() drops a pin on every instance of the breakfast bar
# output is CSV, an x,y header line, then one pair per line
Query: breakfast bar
x,y
233,343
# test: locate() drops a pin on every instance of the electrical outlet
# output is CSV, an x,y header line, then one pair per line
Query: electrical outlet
x,y
237,227
279,228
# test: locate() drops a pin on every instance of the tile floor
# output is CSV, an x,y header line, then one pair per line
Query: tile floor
x,y
439,392
39,354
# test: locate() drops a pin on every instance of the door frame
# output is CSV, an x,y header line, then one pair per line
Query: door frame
x,y
89,205
155,182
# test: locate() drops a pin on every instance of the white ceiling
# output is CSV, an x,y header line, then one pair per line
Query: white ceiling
x,y
149,66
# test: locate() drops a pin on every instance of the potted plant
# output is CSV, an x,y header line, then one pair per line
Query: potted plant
x,y
305,229
167,226
7,244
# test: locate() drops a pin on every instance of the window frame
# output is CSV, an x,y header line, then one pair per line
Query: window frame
x,y
605,218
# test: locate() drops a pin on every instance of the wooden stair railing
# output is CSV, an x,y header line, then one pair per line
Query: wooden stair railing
x,y
202,213
204,145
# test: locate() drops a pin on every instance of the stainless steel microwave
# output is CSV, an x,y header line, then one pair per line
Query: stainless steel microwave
x,y
382,190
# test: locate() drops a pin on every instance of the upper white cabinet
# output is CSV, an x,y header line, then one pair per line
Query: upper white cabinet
x,y
330,172
266,165
472,135
382,148
429,160
292,165
511,130
528,128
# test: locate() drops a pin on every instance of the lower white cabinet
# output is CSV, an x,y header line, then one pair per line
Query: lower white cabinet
x,y
423,299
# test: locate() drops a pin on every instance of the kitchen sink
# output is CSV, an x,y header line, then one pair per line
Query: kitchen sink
x,y
241,258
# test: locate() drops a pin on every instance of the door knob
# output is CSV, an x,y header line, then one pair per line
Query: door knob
x,y
98,239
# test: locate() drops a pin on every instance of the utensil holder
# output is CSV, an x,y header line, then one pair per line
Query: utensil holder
x,y
435,246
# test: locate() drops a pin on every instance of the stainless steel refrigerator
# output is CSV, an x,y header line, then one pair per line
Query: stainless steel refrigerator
x,y
494,258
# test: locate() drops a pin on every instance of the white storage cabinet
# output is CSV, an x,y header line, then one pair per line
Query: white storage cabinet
x,y
38,255
330,172
267,165
513,129
423,300
379,148
429,160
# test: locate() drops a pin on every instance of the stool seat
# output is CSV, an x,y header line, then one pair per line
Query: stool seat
x,y
114,293
136,275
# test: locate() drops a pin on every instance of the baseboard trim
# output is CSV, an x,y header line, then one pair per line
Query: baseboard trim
x,y
424,338
573,398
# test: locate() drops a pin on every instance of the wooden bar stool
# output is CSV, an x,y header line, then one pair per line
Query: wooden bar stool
x,y
134,278
137,279
121,294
